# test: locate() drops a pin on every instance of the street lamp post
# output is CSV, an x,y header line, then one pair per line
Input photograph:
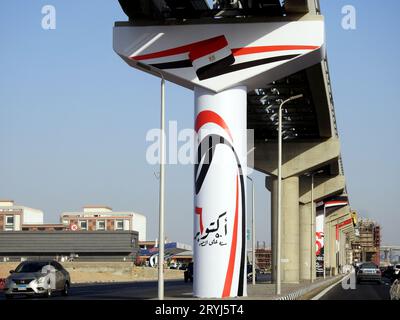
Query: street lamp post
x,y
253,232
161,237
312,262
161,218
323,228
278,271
161,195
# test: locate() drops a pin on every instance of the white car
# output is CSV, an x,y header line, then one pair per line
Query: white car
x,y
396,269
395,290
32,278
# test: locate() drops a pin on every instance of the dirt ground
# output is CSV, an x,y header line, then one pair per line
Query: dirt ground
x,y
90,272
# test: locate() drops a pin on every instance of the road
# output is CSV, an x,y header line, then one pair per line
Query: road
x,y
124,291
363,291
174,289
178,289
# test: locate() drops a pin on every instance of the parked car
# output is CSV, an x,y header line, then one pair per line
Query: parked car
x,y
388,273
188,274
183,267
42,278
250,272
369,271
396,269
174,266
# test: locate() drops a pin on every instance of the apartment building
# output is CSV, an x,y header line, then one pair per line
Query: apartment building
x,y
14,217
103,218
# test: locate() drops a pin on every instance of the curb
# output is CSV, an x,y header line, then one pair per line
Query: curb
x,y
297,294
329,288
97,283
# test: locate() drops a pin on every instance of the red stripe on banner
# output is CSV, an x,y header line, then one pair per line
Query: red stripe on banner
x,y
345,223
342,224
336,203
216,43
231,265
207,116
262,49
164,53
199,49
204,48
199,211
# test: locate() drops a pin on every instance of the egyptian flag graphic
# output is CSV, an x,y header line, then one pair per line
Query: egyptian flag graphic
x,y
210,57
332,204
336,203
214,57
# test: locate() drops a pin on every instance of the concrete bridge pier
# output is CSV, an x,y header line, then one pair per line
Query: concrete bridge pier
x,y
272,184
296,230
290,230
323,187
307,241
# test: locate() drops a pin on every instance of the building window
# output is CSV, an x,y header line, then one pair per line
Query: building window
x,y
9,226
83,225
119,225
100,225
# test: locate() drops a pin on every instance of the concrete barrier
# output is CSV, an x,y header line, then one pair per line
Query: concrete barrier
x,y
296,295
103,272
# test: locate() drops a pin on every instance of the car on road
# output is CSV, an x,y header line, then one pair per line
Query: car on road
x,y
174,266
183,267
188,274
250,273
388,273
396,269
37,278
369,271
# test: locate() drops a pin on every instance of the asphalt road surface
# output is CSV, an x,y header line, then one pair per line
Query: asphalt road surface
x,y
124,291
174,289
363,291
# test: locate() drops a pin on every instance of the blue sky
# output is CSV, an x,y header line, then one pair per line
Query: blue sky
x,y
74,116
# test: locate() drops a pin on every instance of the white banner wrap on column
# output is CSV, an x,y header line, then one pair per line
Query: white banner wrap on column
x,y
220,194
320,250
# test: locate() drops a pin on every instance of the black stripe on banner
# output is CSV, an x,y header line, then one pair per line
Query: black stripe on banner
x,y
217,67
250,64
242,277
215,70
173,65
206,149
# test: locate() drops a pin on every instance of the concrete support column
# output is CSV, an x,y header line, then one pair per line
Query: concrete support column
x,y
331,247
274,225
219,248
306,247
290,230
327,245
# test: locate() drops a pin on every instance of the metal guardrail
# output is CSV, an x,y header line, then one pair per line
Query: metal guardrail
x,y
301,292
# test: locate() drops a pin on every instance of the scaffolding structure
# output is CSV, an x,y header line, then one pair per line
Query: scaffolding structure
x,y
366,248
263,257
